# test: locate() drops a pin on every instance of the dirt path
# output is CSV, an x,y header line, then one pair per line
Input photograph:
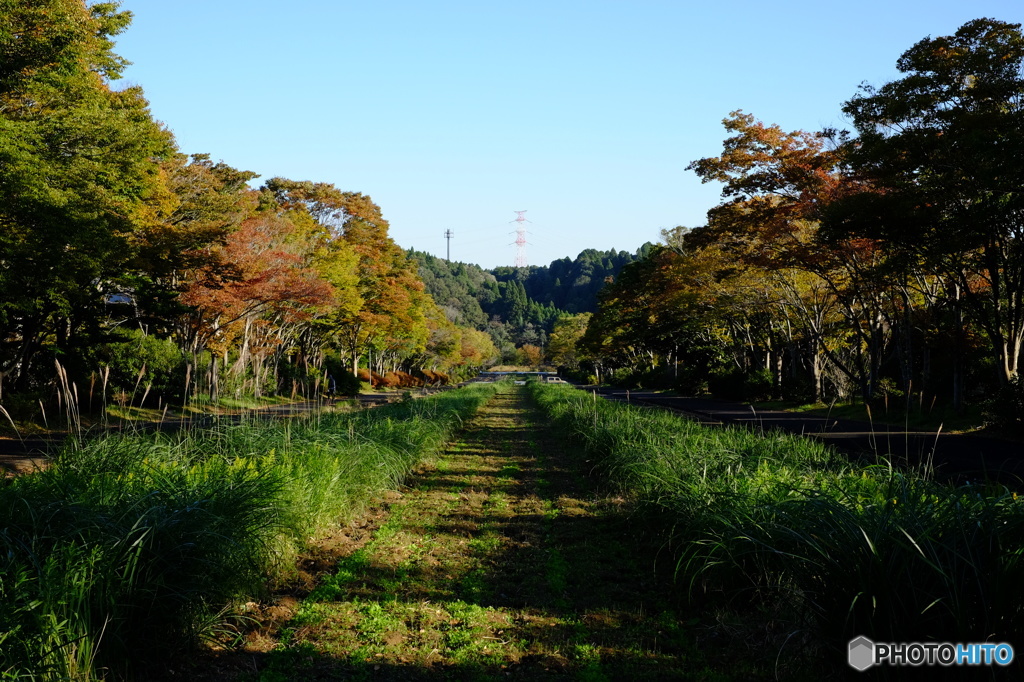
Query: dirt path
x,y
501,560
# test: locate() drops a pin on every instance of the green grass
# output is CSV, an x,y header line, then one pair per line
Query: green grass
x,y
804,538
246,402
130,547
36,422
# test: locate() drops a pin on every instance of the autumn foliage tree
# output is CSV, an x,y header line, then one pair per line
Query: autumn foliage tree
x,y
262,285
777,187
390,319
874,264
944,143
115,247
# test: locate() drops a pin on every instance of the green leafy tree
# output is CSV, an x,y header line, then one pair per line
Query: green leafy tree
x,y
77,175
659,307
563,344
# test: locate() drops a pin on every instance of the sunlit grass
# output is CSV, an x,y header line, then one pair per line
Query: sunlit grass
x,y
785,524
130,546
502,561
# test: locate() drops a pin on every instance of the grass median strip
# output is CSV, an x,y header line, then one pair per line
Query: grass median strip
x,y
501,559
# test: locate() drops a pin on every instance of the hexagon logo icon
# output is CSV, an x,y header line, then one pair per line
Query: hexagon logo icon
x,y
861,653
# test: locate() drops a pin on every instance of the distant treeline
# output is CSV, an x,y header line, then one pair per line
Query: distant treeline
x,y
519,306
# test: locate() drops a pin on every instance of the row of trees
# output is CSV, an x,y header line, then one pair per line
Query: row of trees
x,y
889,260
117,250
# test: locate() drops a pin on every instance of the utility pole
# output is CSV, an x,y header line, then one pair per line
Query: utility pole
x,y
448,234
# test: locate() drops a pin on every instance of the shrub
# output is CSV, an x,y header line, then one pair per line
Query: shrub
x,y
758,385
1006,409
375,380
726,384
346,383
691,381
400,379
736,384
161,358
434,377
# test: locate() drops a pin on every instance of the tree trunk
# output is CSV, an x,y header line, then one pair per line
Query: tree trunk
x,y
777,357
816,373
213,377
958,347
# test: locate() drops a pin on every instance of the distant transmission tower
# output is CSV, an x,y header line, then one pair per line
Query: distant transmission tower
x,y
448,234
520,239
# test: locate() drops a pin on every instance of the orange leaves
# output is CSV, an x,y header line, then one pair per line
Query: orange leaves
x,y
256,272
759,160
776,186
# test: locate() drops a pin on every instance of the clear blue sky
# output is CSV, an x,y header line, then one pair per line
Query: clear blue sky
x,y
453,115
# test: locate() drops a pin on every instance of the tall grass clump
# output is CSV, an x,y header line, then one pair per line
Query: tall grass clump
x,y
117,554
834,548
127,547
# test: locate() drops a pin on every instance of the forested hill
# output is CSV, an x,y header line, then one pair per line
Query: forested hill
x,y
571,285
471,295
518,306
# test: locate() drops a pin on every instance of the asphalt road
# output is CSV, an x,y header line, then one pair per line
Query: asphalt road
x,y
955,456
